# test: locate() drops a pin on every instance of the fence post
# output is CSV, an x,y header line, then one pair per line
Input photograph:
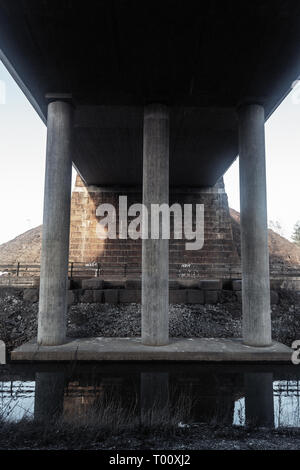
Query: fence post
x,y
71,273
18,269
125,270
98,269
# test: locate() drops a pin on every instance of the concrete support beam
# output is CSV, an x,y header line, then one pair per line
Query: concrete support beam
x,y
155,253
254,228
56,225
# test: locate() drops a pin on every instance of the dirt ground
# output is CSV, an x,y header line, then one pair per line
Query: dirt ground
x,y
198,437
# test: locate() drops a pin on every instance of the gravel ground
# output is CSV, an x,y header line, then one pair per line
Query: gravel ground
x,y
18,319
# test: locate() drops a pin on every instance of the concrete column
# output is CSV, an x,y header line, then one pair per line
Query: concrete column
x,y
259,401
254,229
155,253
155,400
49,396
56,225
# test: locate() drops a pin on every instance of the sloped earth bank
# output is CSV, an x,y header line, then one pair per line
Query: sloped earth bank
x,y
18,319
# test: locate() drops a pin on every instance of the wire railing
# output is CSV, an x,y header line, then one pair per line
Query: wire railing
x,y
79,270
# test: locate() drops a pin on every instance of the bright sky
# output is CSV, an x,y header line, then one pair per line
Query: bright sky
x,y
282,164
22,163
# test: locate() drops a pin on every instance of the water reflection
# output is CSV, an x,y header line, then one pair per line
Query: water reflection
x,y
126,396
154,397
49,395
16,399
259,402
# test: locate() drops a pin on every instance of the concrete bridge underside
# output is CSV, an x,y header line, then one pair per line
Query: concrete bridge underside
x,y
155,94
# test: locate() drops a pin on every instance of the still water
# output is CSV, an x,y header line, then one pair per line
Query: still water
x,y
117,395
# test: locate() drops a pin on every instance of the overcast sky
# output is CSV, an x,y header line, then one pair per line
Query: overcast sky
x,y
22,163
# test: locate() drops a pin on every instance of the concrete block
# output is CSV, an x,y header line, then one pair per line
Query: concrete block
x,y
195,296
117,284
188,283
31,295
93,283
211,284
173,284
71,297
98,296
87,297
178,296
127,296
226,284
133,284
2,353
275,284
111,296
274,297
36,282
211,297
7,290
237,285
76,283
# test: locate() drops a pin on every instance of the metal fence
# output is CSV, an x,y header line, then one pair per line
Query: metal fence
x,y
26,272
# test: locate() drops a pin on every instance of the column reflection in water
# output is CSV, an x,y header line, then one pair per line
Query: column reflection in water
x,y
213,400
259,402
49,395
154,398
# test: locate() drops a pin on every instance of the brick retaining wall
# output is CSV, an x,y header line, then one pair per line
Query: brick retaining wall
x,y
218,253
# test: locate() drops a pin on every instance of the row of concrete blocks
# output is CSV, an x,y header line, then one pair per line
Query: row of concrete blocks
x,y
203,284
124,296
135,284
176,296
115,296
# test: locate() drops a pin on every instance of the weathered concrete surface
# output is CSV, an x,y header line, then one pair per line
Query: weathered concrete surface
x,y
133,62
211,284
56,225
132,349
155,252
94,283
254,227
2,353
